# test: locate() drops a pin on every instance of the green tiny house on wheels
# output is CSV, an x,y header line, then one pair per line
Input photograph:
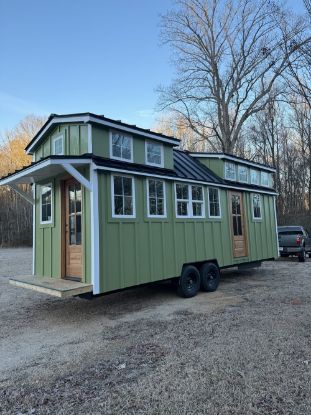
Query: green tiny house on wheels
x,y
116,206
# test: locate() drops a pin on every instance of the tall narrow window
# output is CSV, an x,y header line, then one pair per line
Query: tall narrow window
x,y
243,174
265,178
58,146
156,198
121,146
123,199
256,202
46,203
230,171
214,203
197,201
189,201
154,154
254,177
182,200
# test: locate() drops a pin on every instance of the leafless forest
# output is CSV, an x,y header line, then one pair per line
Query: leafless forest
x,y
242,85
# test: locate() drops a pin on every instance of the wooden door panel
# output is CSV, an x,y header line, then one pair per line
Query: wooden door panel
x,y
237,225
73,229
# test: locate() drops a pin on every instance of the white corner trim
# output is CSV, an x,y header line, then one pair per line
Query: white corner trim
x,y
276,226
95,257
89,139
77,175
34,231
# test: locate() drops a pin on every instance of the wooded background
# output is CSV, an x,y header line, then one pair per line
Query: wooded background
x,y
242,86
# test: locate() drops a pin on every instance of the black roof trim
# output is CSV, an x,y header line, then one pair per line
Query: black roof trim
x,y
103,118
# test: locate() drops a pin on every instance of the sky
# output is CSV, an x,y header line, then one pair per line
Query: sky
x,y
66,56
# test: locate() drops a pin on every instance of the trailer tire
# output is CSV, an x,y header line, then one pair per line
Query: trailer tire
x,y
210,277
189,282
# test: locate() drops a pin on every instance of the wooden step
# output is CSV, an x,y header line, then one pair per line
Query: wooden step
x,y
52,286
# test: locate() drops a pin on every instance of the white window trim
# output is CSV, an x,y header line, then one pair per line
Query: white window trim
x,y
133,195
164,193
256,218
243,167
229,178
46,222
258,175
261,174
189,202
219,201
110,146
54,141
146,154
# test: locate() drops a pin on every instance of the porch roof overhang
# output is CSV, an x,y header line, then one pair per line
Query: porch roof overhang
x,y
44,169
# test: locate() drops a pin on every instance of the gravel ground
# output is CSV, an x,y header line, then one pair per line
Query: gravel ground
x,y
244,349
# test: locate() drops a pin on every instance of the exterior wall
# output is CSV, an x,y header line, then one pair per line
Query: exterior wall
x,y
48,236
216,165
75,141
141,250
101,147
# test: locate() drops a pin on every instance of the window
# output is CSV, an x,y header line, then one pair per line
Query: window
x,y
121,146
156,204
154,154
254,177
58,146
243,174
123,196
189,201
46,203
230,172
256,202
213,203
265,178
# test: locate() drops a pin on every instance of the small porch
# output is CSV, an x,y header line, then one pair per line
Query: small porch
x,y
52,286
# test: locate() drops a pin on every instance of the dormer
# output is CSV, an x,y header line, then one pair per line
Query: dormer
x,y
237,170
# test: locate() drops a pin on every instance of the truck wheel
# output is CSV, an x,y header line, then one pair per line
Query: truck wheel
x,y
302,256
210,277
189,282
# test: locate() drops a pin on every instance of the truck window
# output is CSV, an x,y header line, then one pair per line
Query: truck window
x,y
291,233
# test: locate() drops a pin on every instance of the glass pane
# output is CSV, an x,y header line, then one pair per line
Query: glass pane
x,y
159,188
118,185
116,139
118,205
239,225
78,233
72,199
152,206
197,193
182,191
128,206
152,188
235,226
197,209
78,199
160,207
126,153
116,150
127,186
72,230
182,208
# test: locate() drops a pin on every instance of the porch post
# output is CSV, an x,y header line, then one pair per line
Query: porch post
x,y
94,230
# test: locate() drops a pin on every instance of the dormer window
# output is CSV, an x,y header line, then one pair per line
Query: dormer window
x,y
243,174
121,146
255,177
264,179
58,146
230,171
154,154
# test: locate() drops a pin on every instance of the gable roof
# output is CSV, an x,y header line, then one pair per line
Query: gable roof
x,y
90,118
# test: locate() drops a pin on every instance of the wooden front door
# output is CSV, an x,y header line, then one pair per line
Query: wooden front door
x,y
238,225
73,230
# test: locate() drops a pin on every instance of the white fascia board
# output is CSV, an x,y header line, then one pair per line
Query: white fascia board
x,y
32,169
91,119
226,157
178,179
95,253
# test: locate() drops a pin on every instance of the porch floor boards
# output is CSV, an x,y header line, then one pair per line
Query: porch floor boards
x,y
52,286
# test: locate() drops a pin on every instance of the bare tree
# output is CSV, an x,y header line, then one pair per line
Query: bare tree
x,y
228,55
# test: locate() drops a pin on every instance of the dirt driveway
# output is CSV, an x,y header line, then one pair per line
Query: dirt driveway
x,y
245,349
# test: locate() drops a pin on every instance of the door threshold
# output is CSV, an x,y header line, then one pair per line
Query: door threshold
x,y
72,279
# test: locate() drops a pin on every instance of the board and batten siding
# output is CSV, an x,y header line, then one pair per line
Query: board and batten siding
x,y
140,250
75,141
48,236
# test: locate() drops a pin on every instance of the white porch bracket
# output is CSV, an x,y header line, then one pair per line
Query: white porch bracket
x,y
23,194
77,175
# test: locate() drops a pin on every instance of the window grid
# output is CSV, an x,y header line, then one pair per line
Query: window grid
x,y
121,146
256,202
214,203
230,171
46,203
154,154
156,198
189,201
123,196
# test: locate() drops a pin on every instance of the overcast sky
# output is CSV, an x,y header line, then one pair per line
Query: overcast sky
x,y
102,56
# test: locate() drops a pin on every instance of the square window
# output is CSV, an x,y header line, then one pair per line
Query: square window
x,y
121,146
58,146
243,174
255,177
154,154
230,171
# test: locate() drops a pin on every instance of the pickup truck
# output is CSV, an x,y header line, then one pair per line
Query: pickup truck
x,y
294,240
